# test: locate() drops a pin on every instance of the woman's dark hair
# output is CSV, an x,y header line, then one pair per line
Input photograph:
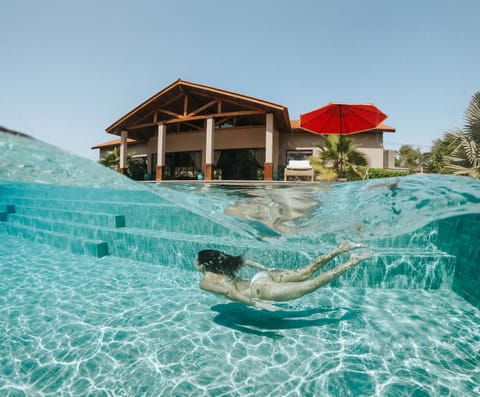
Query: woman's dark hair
x,y
218,262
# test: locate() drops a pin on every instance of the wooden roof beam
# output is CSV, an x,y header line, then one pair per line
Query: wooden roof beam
x,y
207,116
194,126
155,111
169,113
154,124
175,98
180,119
236,102
144,125
185,105
222,120
206,106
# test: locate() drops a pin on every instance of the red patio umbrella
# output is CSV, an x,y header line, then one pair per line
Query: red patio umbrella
x,y
342,118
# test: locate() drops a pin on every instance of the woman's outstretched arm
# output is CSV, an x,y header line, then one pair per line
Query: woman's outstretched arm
x,y
248,262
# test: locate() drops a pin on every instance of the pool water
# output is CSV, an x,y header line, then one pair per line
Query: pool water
x,y
74,321
76,325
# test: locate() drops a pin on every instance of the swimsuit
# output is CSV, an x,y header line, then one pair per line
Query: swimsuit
x,y
258,282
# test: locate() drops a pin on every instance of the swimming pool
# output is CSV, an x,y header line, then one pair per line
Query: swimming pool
x,y
74,321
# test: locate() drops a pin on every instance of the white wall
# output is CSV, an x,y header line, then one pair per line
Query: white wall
x,y
371,144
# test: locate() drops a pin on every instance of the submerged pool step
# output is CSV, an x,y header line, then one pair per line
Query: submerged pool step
x,y
159,247
415,269
7,208
142,208
81,204
156,231
38,191
388,268
75,244
84,217
411,241
402,269
134,243
152,216
87,230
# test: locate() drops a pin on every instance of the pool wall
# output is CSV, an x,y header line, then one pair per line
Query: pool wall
x,y
460,236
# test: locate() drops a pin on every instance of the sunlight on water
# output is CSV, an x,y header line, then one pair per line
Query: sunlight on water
x,y
134,322
86,326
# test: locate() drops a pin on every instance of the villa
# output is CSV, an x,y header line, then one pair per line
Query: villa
x,y
190,131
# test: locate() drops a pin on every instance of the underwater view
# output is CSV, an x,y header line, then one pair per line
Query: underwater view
x,y
99,295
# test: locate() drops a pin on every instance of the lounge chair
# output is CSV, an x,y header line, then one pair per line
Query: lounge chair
x,y
299,168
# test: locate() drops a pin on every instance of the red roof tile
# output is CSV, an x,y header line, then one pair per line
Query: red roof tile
x,y
115,142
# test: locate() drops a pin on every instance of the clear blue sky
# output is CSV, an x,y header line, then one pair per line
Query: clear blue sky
x,y
71,68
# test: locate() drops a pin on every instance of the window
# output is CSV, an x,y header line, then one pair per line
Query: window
x,y
298,154
183,165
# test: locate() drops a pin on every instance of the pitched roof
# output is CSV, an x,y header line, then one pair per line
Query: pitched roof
x,y
112,143
177,89
385,128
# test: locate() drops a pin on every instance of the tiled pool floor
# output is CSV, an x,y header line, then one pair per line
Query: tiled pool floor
x,y
77,325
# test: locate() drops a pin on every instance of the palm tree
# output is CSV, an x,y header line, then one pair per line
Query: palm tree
x,y
465,157
324,174
112,159
136,167
340,154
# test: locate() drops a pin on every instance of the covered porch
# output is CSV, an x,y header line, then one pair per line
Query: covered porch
x,y
191,131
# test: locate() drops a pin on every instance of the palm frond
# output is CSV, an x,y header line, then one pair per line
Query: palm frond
x,y
464,159
472,118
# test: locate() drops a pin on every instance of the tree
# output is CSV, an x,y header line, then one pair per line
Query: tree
x,y
409,157
136,167
325,174
340,155
441,148
111,159
465,157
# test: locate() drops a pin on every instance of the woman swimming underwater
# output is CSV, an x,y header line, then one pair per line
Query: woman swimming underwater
x,y
269,285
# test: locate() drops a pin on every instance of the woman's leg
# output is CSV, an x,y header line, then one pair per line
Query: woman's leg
x,y
279,292
304,272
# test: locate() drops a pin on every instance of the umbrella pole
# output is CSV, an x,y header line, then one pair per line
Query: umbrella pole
x,y
341,137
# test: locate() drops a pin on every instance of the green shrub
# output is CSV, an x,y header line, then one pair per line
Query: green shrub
x,y
374,173
136,168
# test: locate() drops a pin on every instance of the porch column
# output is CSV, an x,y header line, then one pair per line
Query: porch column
x,y
161,140
268,166
209,150
123,152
